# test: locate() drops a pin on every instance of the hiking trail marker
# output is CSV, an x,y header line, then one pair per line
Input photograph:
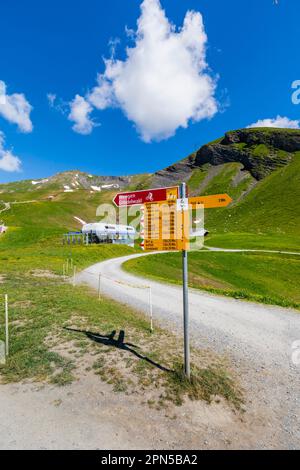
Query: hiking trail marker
x,y
211,202
165,226
137,198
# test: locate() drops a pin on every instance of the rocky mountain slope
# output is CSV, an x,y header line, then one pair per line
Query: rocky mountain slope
x,y
258,168
259,151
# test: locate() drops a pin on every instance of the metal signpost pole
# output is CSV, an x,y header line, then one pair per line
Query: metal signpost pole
x,y
167,196
187,370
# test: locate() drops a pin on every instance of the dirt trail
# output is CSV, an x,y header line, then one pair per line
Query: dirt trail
x,y
247,250
6,207
88,415
258,338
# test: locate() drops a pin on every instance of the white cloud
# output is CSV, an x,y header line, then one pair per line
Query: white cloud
x,y
15,109
101,97
80,114
164,82
51,97
58,104
279,122
8,161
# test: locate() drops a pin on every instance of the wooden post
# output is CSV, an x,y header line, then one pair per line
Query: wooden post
x,y
151,309
99,287
6,326
74,276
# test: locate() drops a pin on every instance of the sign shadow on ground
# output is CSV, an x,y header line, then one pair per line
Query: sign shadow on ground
x,y
119,343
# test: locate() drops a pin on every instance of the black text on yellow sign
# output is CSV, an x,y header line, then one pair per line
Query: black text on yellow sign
x,y
166,228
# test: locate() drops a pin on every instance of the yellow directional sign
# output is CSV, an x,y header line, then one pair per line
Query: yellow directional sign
x,y
209,202
166,228
167,224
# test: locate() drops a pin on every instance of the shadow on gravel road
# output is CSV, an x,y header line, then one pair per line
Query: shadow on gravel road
x,y
119,343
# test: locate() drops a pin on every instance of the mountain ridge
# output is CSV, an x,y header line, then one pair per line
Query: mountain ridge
x,y
262,179
259,150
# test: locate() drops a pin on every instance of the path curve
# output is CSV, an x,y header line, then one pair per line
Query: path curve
x,y
258,338
6,206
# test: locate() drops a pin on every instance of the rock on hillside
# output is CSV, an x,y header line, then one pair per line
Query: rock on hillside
x,y
71,181
78,179
180,171
260,151
254,154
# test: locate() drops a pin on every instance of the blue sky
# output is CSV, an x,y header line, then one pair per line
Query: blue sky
x,y
57,47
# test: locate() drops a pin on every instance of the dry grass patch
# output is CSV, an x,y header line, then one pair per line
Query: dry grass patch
x,y
44,273
64,333
147,366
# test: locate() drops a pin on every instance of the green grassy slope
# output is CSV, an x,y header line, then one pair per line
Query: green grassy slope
x,y
216,180
42,303
268,207
41,217
273,206
265,214
267,217
267,278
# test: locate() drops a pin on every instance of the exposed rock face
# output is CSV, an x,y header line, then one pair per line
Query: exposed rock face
x,y
174,174
259,150
84,181
282,139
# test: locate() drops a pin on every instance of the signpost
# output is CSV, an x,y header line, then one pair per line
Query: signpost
x,y
210,202
165,226
185,281
136,198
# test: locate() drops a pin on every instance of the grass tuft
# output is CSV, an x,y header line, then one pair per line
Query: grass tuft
x,y
205,384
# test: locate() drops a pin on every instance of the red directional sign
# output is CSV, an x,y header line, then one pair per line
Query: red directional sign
x,y
135,198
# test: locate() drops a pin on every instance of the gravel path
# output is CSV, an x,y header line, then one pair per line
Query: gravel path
x,y
6,207
245,250
258,338
88,415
